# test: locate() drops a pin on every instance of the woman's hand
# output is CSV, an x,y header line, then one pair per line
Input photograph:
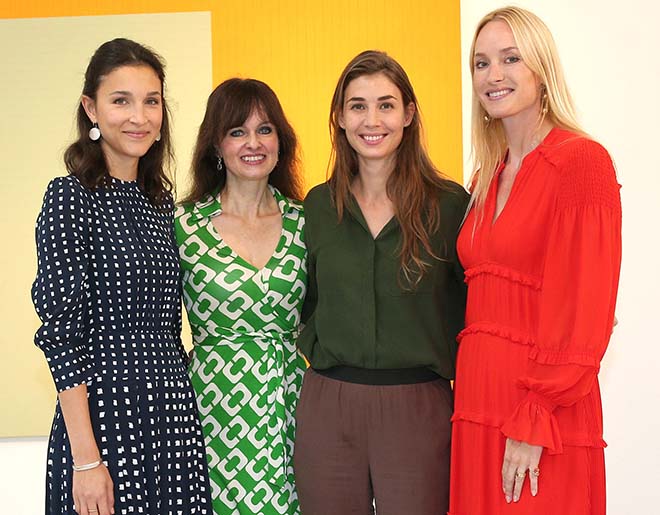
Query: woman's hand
x,y
93,492
92,488
520,458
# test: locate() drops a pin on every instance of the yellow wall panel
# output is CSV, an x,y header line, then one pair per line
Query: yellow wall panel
x,y
298,47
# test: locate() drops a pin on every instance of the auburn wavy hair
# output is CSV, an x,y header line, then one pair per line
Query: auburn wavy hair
x,y
415,183
85,159
229,106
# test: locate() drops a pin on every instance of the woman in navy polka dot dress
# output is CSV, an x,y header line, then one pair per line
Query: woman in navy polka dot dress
x,y
126,436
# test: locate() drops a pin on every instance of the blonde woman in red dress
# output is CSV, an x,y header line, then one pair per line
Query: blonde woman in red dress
x,y
541,247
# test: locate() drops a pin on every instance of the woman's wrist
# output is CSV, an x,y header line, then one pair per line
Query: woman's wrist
x,y
87,466
90,454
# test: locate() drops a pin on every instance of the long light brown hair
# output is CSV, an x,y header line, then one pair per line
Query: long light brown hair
x,y
413,187
538,51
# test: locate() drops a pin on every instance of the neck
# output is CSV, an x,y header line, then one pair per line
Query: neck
x,y
247,199
371,181
125,169
523,134
124,173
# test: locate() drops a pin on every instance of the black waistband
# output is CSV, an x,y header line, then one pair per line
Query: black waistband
x,y
380,377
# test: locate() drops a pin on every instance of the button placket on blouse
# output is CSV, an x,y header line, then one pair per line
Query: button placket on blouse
x,y
368,283
370,301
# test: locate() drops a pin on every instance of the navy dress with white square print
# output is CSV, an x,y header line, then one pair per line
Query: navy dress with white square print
x,y
107,292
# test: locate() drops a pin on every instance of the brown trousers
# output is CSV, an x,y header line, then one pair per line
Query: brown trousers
x,y
359,443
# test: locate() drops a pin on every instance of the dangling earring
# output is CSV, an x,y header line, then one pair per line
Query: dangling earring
x,y
158,137
95,132
545,103
219,165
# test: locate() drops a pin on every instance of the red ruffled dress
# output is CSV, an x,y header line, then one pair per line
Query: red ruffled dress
x,y
542,285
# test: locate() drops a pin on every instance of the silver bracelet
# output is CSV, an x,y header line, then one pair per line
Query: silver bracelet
x,y
87,466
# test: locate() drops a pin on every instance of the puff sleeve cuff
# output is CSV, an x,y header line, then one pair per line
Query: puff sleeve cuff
x,y
60,290
534,423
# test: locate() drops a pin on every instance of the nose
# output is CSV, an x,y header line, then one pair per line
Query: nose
x,y
253,140
495,72
138,115
372,118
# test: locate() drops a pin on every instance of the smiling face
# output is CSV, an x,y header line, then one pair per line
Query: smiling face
x,y
250,151
504,84
374,117
129,111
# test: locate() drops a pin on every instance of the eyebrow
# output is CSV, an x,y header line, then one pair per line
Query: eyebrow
x,y
380,99
128,93
502,51
261,124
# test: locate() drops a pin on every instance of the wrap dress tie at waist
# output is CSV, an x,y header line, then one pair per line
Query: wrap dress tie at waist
x,y
269,400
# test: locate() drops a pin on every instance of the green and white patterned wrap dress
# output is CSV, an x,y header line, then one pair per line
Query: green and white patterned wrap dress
x,y
245,369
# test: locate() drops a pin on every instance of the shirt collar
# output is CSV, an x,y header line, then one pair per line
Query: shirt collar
x,y
210,205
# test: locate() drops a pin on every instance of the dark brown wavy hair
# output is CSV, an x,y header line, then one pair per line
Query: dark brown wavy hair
x,y
229,106
413,187
85,159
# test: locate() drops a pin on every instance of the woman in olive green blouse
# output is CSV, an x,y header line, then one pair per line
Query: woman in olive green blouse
x,y
386,300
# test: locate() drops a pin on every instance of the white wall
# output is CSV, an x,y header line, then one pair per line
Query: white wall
x,y
23,475
610,53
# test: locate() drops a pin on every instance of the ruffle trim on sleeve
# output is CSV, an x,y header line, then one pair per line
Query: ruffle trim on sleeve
x,y
533,422
547,357
493,329
503,272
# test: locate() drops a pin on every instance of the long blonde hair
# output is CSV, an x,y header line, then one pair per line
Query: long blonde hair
x,y
539,53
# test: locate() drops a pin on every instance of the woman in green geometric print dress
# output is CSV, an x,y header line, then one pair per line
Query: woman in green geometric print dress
x,y
240,236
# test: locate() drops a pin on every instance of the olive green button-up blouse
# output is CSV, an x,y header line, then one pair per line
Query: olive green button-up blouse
x,y
357,313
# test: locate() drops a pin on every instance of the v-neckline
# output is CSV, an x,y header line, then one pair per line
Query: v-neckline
x,y
240,258
354,206
516,180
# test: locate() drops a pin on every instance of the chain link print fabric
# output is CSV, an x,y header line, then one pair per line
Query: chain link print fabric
x,y
245,369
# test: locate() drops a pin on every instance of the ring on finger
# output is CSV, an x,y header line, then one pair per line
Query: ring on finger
x,y
92,510
520,475
535,472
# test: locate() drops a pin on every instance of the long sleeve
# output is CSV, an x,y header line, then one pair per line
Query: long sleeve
x,y
578,296
177,323
307,336
309,306
60,290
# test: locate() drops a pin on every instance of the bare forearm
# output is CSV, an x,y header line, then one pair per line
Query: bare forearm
x,y
75,409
